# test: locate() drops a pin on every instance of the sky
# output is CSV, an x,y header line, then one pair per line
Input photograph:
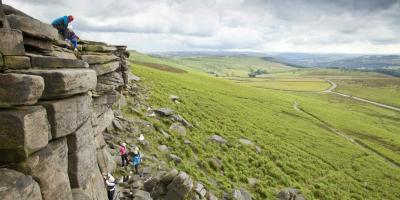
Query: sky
x,y
321,26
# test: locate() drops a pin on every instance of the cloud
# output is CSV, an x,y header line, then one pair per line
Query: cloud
x,y
257,25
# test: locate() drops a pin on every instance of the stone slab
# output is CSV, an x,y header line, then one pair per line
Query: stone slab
x,y
33,27
99,59
102,69
31,42
11,42
49,167
17,62
55,62
81,166
20,89
104,102
18,186
61,83
105,160
108,82
103,121
23,131
98,48
95,186
67,115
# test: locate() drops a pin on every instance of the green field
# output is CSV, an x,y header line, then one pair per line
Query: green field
x,y
383,90
297,148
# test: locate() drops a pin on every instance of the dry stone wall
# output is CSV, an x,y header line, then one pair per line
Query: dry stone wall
x,y
55,105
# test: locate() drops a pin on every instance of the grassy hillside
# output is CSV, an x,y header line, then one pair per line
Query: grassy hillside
x,y
297,149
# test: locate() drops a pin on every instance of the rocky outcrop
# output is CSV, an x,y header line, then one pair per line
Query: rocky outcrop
x,y
55,105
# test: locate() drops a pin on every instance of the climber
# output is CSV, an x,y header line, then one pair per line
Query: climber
x,y
110,183
136,160
124,154
71,36
61,24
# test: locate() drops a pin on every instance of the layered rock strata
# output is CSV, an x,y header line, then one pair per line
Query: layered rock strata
x,y
54,106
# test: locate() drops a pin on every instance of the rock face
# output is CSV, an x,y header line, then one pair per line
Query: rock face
x,y
20,89
62,83
17,186
23,131
66,115
49,167
50,131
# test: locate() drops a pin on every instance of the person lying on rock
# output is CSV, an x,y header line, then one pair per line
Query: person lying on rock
x,y
61,24
123,152
71,36
136,160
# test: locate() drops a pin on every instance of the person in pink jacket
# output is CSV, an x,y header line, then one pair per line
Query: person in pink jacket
x,y
123,152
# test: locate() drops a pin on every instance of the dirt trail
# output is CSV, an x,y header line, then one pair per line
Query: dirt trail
x,y
333,86
348,138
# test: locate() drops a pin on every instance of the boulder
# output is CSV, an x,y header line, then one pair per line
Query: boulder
x,y
99,59
54,62
141,195
17,186
211,196
246,142
66,115
105,160
165,111
49,167
175,158
23,131
178,128
290,194
11,42
17,62
105,68
109,82
37,44
218,139
61,83
240,194
163,148
174,98
20,89
98,48
61,53
180,187
200,190
32,27
169,176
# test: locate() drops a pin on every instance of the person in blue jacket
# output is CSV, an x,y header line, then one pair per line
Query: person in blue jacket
x,y
71,36
136,160
61,24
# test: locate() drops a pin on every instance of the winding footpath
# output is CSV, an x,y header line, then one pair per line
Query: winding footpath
x,y
333,86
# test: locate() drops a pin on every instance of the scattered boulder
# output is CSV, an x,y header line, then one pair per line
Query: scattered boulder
x,y
290,194
141,195
169,176
20,89
17,186
240,194
175,158
23,131
163,148
178,128
180,187
218,139
200,190
164,112
174,98
246,142
252,181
